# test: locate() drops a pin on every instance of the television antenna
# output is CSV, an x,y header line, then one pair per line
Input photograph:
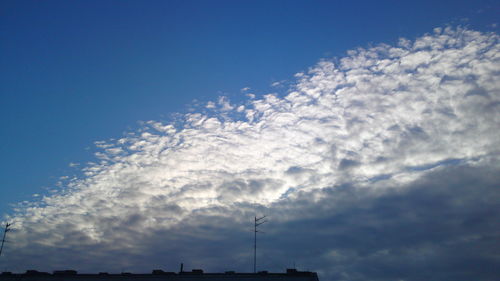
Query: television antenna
x,y
258,221
7,228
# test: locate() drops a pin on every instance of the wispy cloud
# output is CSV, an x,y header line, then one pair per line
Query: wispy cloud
x,y
354,155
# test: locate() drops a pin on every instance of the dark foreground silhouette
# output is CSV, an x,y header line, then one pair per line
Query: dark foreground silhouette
x,y
157,275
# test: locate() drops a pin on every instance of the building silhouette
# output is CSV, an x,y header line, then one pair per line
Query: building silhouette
x,y
160,275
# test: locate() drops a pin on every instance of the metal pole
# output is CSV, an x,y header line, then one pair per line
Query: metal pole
x,y
257,222
254,247
4,234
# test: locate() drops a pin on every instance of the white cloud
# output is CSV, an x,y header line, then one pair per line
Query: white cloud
x,y
225,104
278,84
210,105
383,117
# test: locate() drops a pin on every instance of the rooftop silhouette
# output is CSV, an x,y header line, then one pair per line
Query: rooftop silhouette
x,y
195,274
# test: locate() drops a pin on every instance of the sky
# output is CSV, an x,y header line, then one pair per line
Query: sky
x,y
141,134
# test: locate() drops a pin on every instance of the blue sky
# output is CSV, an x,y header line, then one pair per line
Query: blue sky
x,y
77,72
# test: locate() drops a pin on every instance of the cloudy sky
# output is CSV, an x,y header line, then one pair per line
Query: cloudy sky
x,y
139,135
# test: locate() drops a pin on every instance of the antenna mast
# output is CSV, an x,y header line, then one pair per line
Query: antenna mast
x,y
7,225
258,221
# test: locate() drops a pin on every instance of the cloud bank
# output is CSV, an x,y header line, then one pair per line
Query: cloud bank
x,y
381,165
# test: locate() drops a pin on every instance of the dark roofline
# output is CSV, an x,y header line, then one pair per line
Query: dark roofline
x,y
156,272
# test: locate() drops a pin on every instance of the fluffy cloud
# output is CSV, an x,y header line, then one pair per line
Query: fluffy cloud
x,y
379,165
